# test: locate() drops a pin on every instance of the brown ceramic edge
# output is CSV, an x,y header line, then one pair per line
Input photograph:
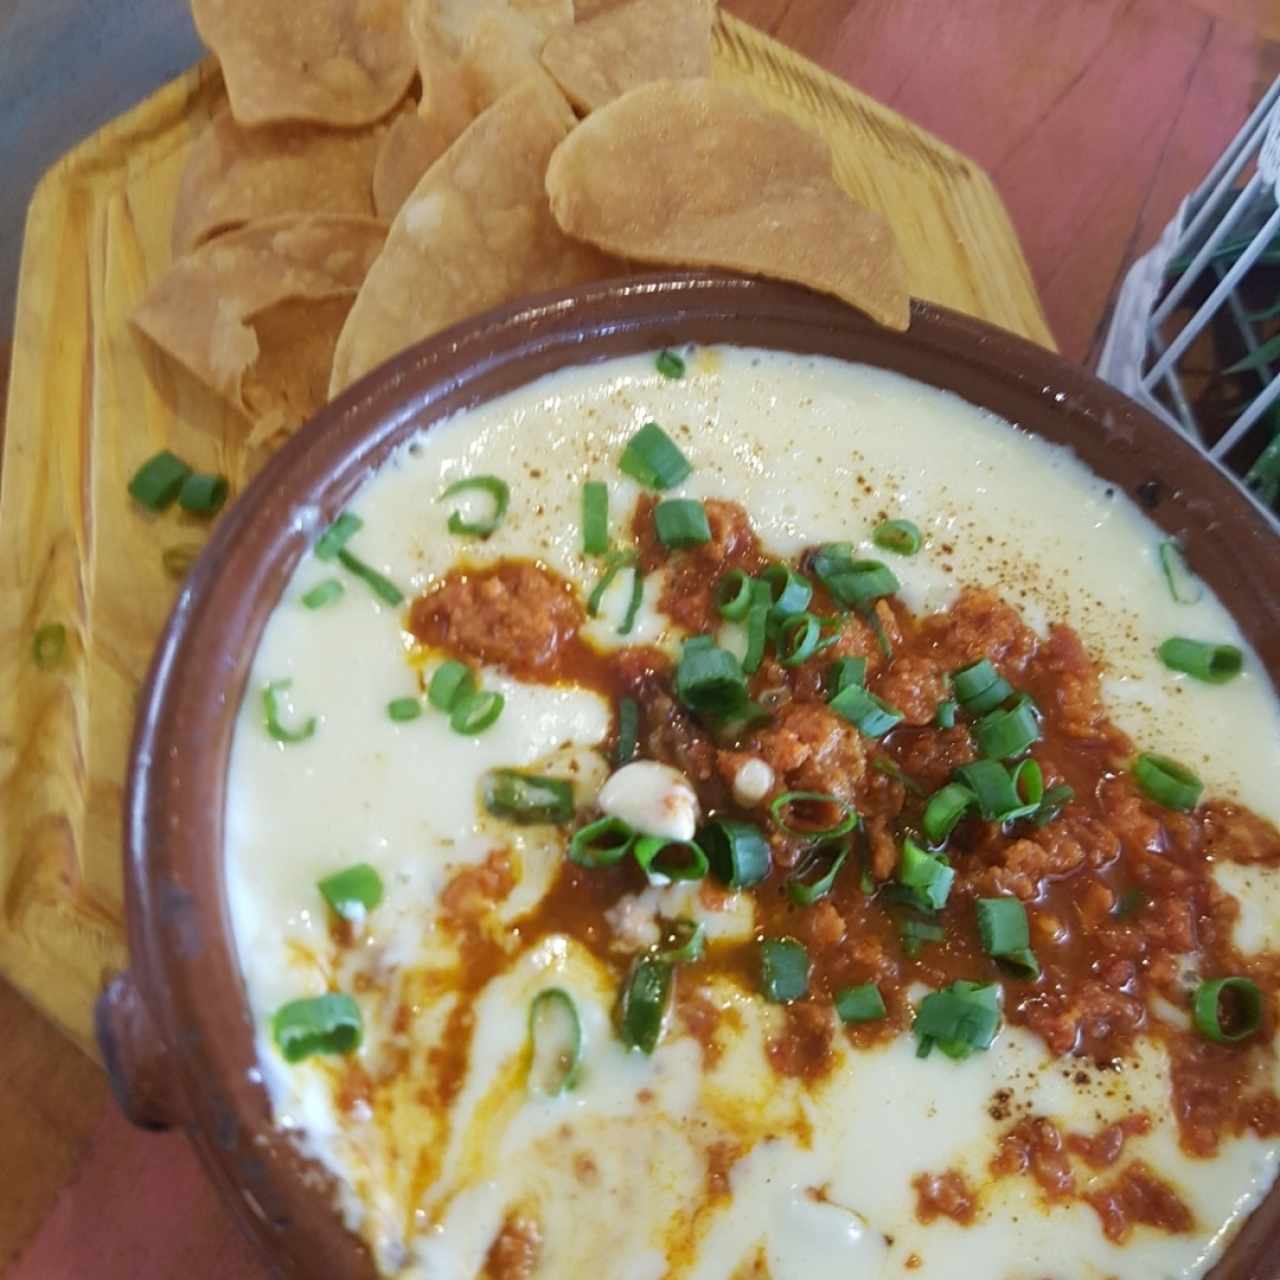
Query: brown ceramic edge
x,y
181,949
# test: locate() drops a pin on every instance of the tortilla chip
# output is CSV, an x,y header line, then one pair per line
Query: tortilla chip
x,y
693,173
224,311
630,45
235,176
476,231
337,62
410,147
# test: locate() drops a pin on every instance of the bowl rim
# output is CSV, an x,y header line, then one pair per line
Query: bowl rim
x,y
181,946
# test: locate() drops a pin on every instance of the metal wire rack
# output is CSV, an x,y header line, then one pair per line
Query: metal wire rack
x,y
1195,336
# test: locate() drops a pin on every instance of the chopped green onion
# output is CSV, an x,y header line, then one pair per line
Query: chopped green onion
x,y
945,716
669,364
1002,926
527,798
945,808
317,1024
1052,804
733,595
925,874
900,536
381,587
1184,586
614,562
1128,903
846,671
980,688
323,593
1028,784
680,859
709,679
686,942
681,522
49,645
497,489
846,822
1245,1017
595,518
856,583
784,970
882,637
992,787
653,459
555,1043
476,712
633,602
601,843
644,1003
404,709
337,535
1167,782
789,592
1212,663
178,560
862,708
797,639
958,1019
860,1004
202,494
451,683
628,731
757,626
353,892
915,933
271,709
1006,734
158,481
749,716
737,851
805,893
890,769
1023,963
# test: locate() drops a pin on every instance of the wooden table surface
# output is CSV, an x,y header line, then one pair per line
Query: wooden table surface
x,y
1093,116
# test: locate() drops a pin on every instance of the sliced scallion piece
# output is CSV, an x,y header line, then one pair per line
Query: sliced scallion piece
x,y
653,459
980,688
1184,586
337,535
323,593
1167,782
614,563
860,1004
527,798
353,892
633,602
271,710
709,680
595,518
1028,785
991,785
317,1024
945,716
782,811
497,489
476,712
555,1043
737,851
846,671
784,970
685,942
1004,734
203,494
1243,1010
856,583
958,1019
926,874
669,364
789,592
945,808
802,890
916,933
899,536
403,710
381,586
451,683
733,595
1023,963
158,481
798,639
628,731
862,708
757,626
664,860
1052,804
601,843
49,645
1002,926
644,1003
681,522
1212,663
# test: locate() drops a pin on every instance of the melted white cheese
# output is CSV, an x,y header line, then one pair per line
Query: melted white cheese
x,y
815,450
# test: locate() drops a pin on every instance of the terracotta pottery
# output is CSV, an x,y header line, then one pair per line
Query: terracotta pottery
x,y
175,1030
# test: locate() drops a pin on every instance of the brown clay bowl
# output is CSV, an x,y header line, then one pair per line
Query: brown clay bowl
x,y
175,1030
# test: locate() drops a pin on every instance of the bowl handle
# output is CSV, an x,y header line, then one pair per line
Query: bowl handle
x,y
139,1064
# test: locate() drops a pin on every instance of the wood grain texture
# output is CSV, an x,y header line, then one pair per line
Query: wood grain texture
x,y
90,401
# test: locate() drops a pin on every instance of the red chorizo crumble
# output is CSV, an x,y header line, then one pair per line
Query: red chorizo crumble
x,y
1139,1197
944,1195
514,1253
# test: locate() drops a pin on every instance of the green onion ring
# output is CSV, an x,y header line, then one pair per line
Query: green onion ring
x,y
601,843
475,713
1167,782
497,489
846,823
797,639
648,849
645,999
737,851
1212,663
271,710
555,1043
1206,1009
733,595
805,893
